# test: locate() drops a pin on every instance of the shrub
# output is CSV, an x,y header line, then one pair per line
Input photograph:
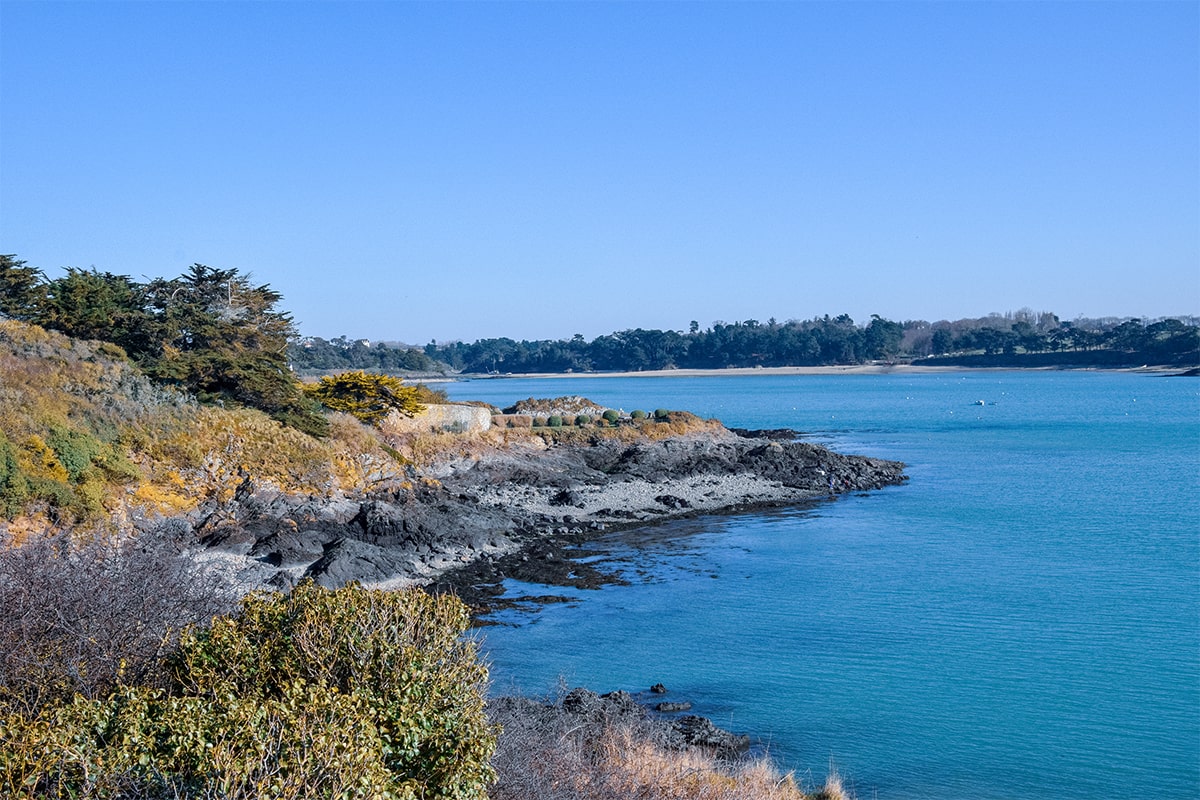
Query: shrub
x,y
315,694
555,421
14,483
662,414
611,416
639,414
83,616
367,396
539,422
426,395
582,420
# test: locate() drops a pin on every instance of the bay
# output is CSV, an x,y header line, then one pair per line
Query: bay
x,y
1022,619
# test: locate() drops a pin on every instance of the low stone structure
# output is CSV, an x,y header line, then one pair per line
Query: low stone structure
x,y
455,417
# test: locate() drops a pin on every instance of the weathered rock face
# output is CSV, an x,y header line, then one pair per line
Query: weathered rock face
x,y
512,512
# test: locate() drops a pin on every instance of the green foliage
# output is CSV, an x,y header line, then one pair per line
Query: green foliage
x,y
75,450
367,396
88,304
611,416
223,339
315,694
314,354
429,396
21,289
662,414
638,414
555,421
582,420
14,483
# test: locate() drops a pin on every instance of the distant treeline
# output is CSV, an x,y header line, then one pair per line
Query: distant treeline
x,y
816,342
313,353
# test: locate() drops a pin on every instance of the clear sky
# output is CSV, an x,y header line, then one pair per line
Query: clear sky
x,y
415,171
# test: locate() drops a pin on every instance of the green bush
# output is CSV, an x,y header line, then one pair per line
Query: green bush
x,y
315,694
583,419
76,450
14,483
662,414
611,415
555,421
639,414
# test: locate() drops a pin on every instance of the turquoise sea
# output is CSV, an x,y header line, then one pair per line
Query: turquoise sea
x,y
1020,620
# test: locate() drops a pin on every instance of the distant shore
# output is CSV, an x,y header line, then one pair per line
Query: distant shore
x,y
854,369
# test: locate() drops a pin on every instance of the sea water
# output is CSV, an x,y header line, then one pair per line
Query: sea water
x,y
1020,620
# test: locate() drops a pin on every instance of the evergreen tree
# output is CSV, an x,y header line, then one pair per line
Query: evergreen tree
x,y
22,290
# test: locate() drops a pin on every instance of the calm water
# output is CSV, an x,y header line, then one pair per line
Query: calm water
x,y
1021,620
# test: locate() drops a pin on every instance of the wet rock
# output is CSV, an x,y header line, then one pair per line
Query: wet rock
x,y
673,708
701,732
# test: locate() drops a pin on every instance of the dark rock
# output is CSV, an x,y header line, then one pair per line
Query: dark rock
x,y
671,501
658,688
567,497
701,732
346,560
778,434
229,539
673,708
282,581
291,548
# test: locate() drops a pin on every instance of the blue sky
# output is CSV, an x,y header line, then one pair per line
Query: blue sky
x,y
417,171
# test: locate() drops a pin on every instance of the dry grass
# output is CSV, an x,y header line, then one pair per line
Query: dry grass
x,y
544,755
149,448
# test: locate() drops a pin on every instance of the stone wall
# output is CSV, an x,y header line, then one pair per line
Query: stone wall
x,y
447,417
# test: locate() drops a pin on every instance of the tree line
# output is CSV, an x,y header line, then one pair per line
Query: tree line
x,y
324,355
214,333
826,341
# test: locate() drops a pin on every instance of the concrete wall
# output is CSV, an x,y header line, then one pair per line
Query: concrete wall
x,y
452,417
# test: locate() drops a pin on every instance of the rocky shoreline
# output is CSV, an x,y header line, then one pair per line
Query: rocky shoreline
x,y
467,522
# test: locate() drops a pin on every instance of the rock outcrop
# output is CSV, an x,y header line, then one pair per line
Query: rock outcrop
x,y
514,511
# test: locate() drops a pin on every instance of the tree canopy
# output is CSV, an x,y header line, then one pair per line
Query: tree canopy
x,y
210,331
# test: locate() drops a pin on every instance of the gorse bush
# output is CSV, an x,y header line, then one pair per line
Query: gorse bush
x,y
365,395
314,694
